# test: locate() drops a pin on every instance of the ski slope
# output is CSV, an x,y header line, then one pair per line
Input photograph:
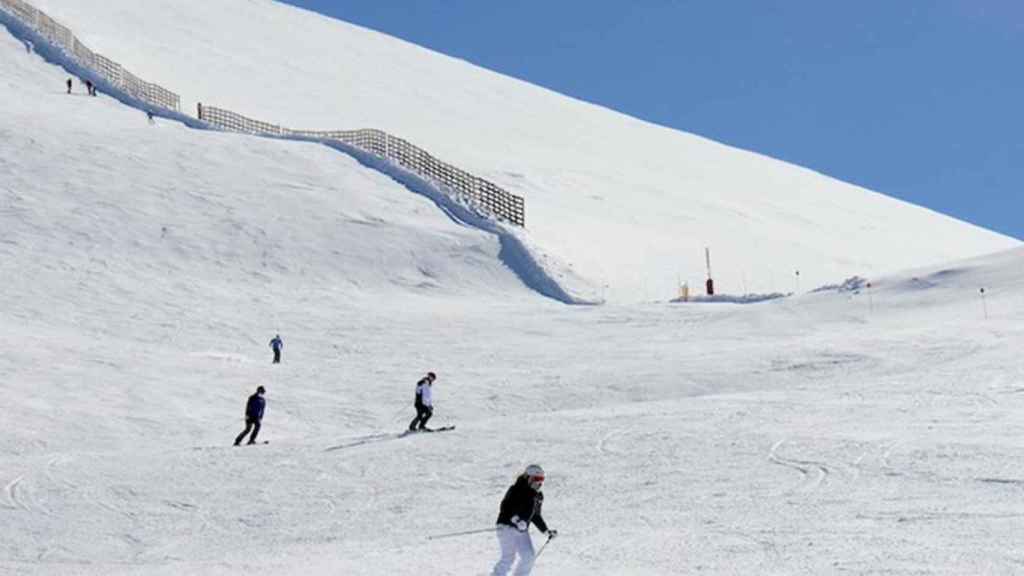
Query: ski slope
x,y
145,267
629,205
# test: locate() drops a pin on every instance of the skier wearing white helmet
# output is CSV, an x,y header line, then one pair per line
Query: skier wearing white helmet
x,y
521,507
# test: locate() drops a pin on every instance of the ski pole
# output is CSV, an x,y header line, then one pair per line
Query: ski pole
x,y
542,547
466,533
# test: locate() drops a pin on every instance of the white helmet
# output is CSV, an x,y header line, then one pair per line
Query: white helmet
x,y
534,476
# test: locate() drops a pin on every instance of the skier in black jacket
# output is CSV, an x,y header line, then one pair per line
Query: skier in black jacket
x,y
424,403
521,507
253,415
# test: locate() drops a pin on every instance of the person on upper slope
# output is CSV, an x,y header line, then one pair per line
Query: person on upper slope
x,y
253,416
276,344
520,507
424,402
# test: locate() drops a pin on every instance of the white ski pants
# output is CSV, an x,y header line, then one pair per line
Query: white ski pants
x,y
513,542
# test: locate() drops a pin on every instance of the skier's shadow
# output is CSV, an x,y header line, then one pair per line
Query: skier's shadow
x,y
371,439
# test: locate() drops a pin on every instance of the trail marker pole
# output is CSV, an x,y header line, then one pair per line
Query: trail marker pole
x,y
709,285
984,304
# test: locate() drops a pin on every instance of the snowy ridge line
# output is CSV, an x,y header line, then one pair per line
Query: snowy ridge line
x,y
477,191
113,73
532,268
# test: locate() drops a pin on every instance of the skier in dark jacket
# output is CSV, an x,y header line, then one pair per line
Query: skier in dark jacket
x,y
69,85
253,416
424,402
276,344
521,507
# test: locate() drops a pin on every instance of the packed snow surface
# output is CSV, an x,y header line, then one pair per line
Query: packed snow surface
x,y
628,204
870,428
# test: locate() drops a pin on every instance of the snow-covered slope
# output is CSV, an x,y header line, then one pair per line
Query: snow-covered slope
x,y
630,205
143,268
99,173
157,236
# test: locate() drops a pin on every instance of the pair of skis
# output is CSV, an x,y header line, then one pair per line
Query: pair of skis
x,y
375,438
441,429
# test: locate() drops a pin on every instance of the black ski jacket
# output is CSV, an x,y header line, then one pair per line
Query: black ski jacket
x,y
523,501
418,402
254,407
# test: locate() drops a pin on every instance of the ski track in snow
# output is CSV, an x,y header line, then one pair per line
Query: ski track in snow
x,y
813,473
19,496
857,466
602,445
52,464
887,468
12,501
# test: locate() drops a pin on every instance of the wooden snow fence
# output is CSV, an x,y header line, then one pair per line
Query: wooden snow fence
x,y
479,192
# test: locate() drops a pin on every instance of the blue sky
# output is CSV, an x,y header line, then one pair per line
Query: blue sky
x,y
918,99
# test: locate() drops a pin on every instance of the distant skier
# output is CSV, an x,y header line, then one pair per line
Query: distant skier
x,y
424,402
521,507
276,344
253,416
69,85
90,88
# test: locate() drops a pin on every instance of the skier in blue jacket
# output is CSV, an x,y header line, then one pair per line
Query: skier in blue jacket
x,y
253,415
276,344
